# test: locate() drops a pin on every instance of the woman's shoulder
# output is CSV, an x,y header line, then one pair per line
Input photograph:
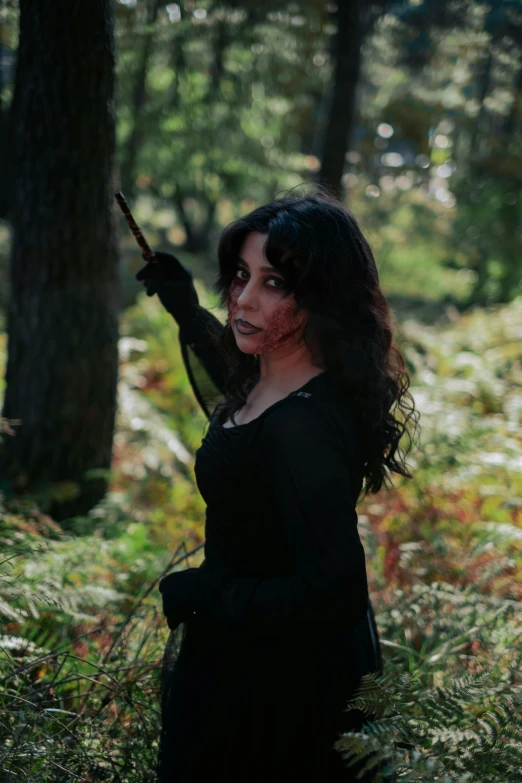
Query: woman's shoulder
x,y
319,411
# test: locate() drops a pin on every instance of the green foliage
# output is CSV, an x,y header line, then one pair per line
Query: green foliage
x,y
444,554
80,652
81,631
218,115
221,107
469,730
445,79
233,109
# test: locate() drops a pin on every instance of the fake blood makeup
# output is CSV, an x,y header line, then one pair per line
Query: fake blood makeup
x,y
233,295
285,322
284,325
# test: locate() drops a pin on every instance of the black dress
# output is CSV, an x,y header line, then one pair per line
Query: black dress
x,y
258,688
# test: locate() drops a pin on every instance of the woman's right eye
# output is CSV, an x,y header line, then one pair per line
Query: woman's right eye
x,y
280,282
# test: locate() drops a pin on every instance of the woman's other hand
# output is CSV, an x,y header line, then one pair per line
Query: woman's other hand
x,y
183,593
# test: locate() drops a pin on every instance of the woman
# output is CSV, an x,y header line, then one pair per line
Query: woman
x,y
277,626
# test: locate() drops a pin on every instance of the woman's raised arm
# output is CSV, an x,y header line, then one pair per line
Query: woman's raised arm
x,y
175,288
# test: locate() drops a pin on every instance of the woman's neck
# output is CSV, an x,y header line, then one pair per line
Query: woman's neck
x,y
282,370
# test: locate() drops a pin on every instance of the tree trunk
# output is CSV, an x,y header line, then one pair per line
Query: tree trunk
x,y
484,80
512,120
7,59
340,125
63,310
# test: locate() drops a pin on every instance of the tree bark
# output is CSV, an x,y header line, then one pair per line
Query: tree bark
x,y
64,300
7,58
341,116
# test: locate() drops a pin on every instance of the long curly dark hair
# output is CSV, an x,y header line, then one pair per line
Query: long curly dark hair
x,y
327,264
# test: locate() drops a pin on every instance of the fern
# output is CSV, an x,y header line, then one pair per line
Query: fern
x,y
67,710
466,729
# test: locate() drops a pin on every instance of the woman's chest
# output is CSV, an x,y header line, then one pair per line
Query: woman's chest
x,y
227,468
254,407
241,523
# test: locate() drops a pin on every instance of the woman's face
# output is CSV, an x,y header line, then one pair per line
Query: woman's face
x,y
256,295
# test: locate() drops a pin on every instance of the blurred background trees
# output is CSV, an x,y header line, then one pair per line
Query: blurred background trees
x,y
222,105
410,112
232,104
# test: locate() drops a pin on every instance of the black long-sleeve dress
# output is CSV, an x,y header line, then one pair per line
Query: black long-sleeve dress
x,y
264,670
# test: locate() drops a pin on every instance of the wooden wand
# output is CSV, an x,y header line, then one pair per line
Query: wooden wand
x,y
148,254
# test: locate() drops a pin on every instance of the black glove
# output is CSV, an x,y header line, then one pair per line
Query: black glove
x,y
193,592
173,283
184,593
173,621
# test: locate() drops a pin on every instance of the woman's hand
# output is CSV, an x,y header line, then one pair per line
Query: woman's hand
x,y
166,267
194,591
173,621
183,592
173,283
